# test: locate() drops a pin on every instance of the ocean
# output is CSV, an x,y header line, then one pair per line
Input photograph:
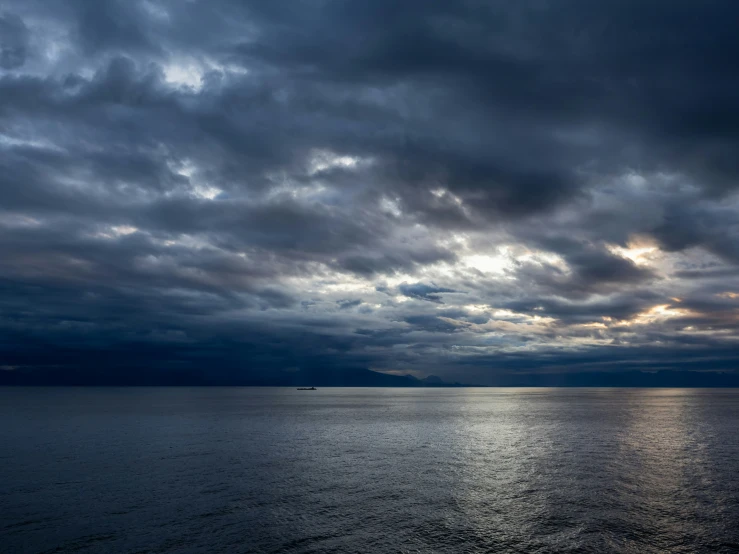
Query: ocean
x,y
343,470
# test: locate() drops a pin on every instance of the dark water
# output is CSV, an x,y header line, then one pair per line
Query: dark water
x,y
369,470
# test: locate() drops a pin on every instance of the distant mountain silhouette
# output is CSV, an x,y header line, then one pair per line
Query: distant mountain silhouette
x,y
318,377
346,377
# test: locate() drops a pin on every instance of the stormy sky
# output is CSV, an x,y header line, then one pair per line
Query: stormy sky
x,y
466,189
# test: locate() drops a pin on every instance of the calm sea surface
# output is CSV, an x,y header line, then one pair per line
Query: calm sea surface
x,y
369,470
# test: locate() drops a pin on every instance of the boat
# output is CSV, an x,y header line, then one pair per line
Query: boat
x,y
306,388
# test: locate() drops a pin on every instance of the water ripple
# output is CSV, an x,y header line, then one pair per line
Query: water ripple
x,y
369,470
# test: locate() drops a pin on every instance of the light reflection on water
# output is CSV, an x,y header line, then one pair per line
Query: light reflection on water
x,y
369,470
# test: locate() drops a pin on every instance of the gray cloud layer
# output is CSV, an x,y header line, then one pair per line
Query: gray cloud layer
x,y
460,188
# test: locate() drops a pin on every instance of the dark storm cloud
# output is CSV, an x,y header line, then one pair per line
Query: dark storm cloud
x,y
422,291
14,38
589,270
621,307
414,185
648,70
348,304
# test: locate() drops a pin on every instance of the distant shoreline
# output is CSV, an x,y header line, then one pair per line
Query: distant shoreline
x,y
290,387
336,378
